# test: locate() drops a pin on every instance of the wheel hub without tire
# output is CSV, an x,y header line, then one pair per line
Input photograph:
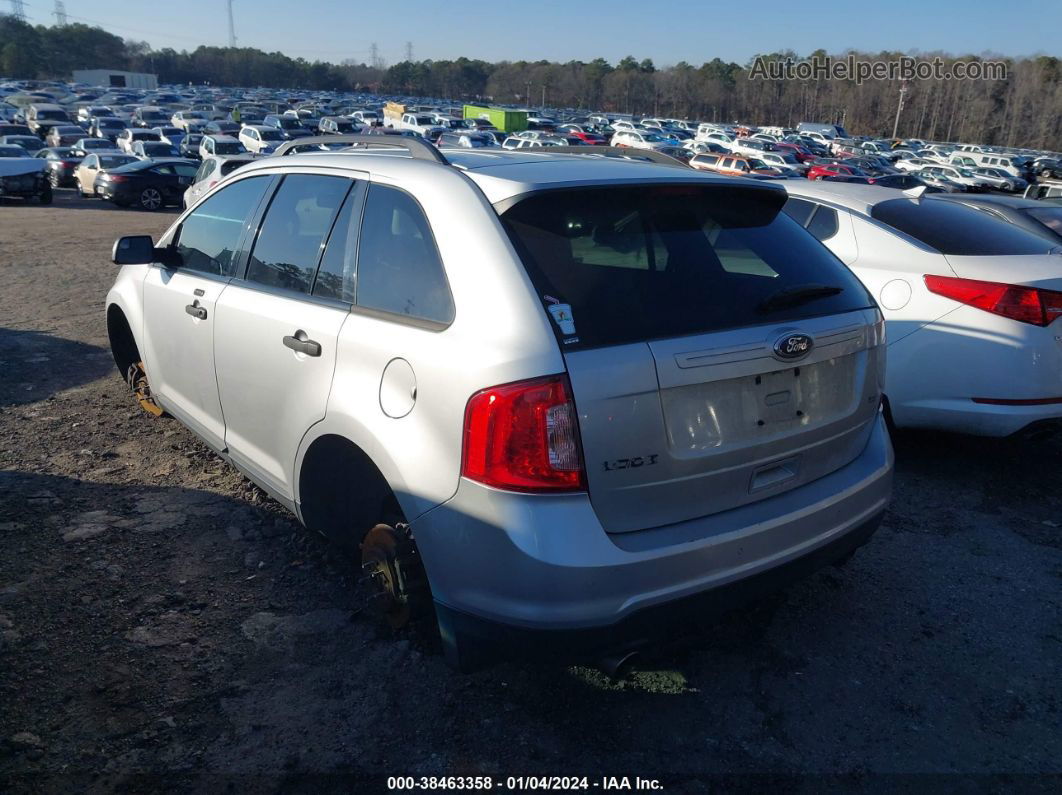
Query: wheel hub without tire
x,y
390,560
137,379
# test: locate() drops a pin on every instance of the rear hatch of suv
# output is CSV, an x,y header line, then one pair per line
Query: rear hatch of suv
x,y
718,354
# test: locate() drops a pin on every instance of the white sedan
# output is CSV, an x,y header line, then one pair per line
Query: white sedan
x,y
971,304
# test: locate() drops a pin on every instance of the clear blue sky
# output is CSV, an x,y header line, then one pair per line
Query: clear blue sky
x,y
667,32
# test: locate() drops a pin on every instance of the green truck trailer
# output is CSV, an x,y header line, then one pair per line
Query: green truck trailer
x,y
505,120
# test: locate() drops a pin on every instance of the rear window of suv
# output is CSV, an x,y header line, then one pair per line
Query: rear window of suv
x,y
951,228
642,263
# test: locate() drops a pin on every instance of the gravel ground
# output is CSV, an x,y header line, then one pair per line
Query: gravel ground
x,y
165,626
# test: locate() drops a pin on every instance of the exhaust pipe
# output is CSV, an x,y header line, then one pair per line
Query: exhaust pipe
x,y
618,665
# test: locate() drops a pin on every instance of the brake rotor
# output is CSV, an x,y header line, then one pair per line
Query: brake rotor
x,y
137,379
390,561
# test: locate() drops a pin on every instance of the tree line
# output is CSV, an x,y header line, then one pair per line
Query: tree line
x,y
1022,109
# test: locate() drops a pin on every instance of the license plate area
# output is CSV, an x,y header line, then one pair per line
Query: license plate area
x,y
753,409
778,395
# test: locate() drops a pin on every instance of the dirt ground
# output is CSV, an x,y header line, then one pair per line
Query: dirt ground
x,y
164,626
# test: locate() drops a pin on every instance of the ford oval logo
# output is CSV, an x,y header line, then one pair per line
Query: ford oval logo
x,y
793,346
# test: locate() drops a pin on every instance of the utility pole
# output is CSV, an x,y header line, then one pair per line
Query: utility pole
x,y
409,51
527,96
18,10
60,14
899,107
543,99
232,28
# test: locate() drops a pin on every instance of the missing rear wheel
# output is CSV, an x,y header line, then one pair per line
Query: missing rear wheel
x,y
390,561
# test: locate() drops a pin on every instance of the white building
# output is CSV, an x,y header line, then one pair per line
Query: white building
x,y
113,78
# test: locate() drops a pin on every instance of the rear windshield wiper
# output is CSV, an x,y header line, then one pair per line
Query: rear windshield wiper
x,y
795,296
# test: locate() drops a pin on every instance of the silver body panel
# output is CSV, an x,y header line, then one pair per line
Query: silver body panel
x,y
722,506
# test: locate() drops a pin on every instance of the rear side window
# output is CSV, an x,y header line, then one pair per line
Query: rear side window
x,y
951,228
644,263
799,210
399,268
210,234
293,231
1051,217
824,223
335,277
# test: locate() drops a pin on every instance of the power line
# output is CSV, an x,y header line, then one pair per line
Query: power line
x,y
232,28
18,10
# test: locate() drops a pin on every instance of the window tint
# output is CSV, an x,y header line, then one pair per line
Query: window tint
x,y
708,260
335,277
209,235
1051,217
293,230
799,210
824,223
206,169
954,229
399,269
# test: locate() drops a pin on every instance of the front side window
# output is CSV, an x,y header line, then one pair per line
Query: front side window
x,y
293,231
399,267
209,236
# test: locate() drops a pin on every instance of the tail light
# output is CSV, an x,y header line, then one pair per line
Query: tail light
x,y
524,437
1024,304
115,178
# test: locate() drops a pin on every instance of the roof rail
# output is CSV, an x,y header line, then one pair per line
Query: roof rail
x,y
625,152
417,149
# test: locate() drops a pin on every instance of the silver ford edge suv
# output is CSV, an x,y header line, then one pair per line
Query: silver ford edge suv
x,y
563,398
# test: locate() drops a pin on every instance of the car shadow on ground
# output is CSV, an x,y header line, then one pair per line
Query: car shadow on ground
x,y
44,365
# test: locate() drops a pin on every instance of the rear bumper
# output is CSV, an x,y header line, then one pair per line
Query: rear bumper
x,y
471,642
504,567
936,372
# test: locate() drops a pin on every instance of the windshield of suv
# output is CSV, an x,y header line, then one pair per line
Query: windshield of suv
x,y
954,229
110,121
289,123
641,263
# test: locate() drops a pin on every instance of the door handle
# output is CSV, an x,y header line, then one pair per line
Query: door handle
x,y
309,347
196,311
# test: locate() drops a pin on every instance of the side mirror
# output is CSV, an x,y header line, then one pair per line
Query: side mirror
x,y
133,250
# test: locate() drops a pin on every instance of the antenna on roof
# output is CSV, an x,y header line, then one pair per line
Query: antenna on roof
x,y
915,192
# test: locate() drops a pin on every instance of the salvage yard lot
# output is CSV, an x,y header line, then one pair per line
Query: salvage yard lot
x,y
160,616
